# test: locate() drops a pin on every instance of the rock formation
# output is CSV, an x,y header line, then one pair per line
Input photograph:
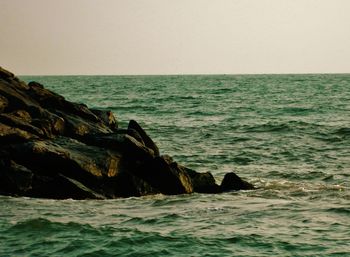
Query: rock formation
x,y
53,148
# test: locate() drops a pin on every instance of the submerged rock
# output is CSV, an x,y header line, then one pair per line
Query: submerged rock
x,y
53,148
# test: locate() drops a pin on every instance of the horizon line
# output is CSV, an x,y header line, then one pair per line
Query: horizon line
x,y
188,74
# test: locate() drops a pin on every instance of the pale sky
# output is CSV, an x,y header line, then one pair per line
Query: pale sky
x,y
42,37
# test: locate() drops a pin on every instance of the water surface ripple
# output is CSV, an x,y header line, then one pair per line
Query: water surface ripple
x,y
288,134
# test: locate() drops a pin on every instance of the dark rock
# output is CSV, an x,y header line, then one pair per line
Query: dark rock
x,y
203,182
67,156
107,117
7,76
232,182
16,97
132,148
54,102
168,178
3,103
45,97
51,124
133,133
11,135
61,187
53,148
21,122
15,179
146,139
76,127
167,158
126,185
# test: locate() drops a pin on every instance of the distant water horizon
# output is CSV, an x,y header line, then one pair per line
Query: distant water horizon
x,y
186,74
288,134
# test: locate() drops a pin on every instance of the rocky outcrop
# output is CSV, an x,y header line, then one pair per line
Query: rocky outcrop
x,y
53,148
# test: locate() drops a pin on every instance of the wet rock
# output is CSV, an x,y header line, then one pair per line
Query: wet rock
x,y
11,135
53,148
17,98
67,156
203,182
77,127
3,103
123,142
5,74
54,102
232,182
146,139
169,179
51,124
128,185
9,77
22,122
107,117
61,187
15,179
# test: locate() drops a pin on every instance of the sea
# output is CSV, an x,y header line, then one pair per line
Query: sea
x,y
289,135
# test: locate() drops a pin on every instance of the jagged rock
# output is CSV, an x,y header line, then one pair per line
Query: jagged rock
x,y
16,97
232,182
11,78
5,74
67,156
21,121
107,117
61,187
203,182
126,185
3,103
14,178
169,179
55,102
76,127
104,172
11,135
146,139
53,148
51,124
130,146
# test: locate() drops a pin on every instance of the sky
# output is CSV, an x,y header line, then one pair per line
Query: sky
x,y
120,37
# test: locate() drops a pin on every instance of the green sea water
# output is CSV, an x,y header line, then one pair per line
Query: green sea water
x,y
287,134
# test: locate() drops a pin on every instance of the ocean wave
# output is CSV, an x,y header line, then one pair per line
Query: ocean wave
x,y
287,134
286,189
297,110
343,131
268,127
46,226
340,210
43,237
287,126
